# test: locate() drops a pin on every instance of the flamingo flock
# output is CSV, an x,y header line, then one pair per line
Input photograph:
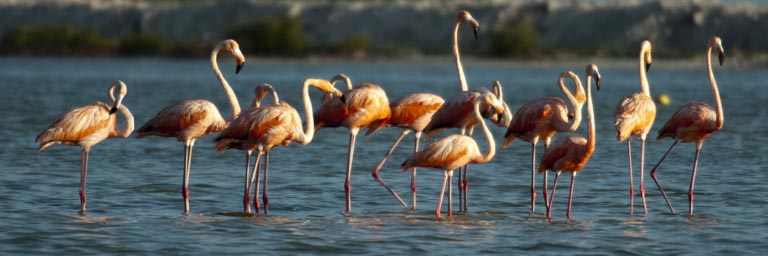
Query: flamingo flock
x,y
261,128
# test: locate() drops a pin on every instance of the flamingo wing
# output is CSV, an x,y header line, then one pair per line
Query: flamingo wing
x,y
691,122
186,119
634,115
535,119
565,154
91,122
447,153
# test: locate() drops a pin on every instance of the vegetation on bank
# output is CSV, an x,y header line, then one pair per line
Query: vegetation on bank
x,y
280,36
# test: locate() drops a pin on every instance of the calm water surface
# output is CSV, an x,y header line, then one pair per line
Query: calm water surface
x,y
133,185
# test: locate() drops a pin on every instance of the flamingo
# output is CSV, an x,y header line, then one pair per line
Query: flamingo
x,y
455,151
693,122
191,119
260,92
457,111
264,128
571,153
364,105
634,115
542,118
411,113
86,126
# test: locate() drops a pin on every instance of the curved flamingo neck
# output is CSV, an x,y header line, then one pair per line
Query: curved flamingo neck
x,y
309,128
228,89
641,70
572,124
459,69
718,103
591,138
488,136
129,125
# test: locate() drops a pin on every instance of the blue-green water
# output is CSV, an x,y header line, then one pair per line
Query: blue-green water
x,y
135,204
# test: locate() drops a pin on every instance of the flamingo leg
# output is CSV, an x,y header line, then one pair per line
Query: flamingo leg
x,y
375,173
544,189
413,175
187,164
552,196
460,184
450,193
83,176
264,196
247,185
642,175
693,177
442,194
570,196
255,180
533,178
466,188
631,179
347,183
655,179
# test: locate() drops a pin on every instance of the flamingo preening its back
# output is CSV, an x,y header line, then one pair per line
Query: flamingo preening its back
x,y
86,126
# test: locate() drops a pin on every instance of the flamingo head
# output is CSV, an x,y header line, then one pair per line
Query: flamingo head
x,y
465,17
717,43
233,48
594,73
122,90
261,91
645,51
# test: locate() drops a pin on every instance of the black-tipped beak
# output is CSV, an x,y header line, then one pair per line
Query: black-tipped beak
x,y
722,58
475,31
647,67
343,99
239,67
113,110
597,83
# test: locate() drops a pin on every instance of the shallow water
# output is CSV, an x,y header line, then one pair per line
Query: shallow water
x,y
135,206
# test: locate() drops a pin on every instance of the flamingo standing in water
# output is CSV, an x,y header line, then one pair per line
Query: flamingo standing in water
x,y
86,126
411,113
264,128
260,92
456,150
634,115
542,118
457,110
191,119
364,105
571,153
693,122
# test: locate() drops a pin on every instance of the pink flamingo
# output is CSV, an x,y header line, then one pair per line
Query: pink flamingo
x,y
364,105
634,115
571,153
411,113
191,119
266,127
693,122
542,118
231,140
455,151
86,126
457,111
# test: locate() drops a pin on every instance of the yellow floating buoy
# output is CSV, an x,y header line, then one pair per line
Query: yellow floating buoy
x,y
664,99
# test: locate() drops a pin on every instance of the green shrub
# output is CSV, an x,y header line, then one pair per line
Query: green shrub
x,y
273,36
144,43
55,39
515,39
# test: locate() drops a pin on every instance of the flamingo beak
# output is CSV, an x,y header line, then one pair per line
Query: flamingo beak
x,y
722,58
475,32
597,82
113,110
647,67
239,67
